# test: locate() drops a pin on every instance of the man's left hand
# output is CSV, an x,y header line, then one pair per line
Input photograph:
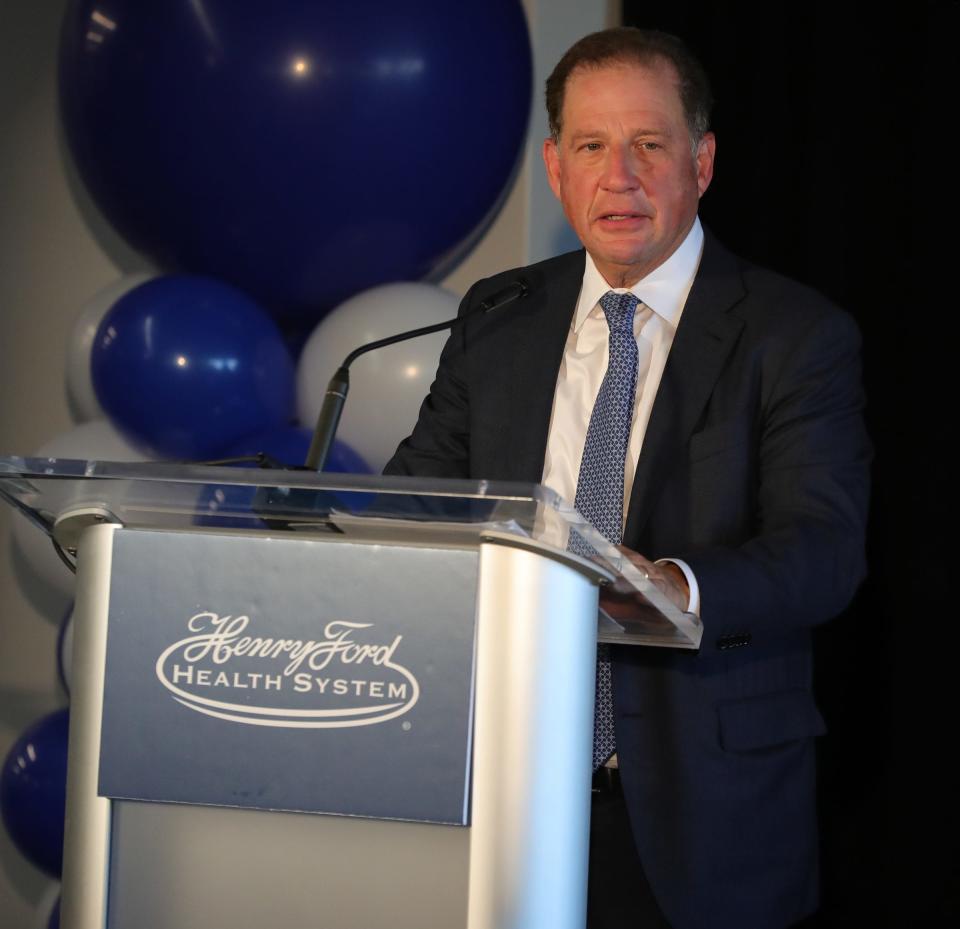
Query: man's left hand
x,y
666,577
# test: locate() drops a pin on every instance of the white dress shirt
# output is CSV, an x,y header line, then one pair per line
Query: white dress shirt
x,y
662,295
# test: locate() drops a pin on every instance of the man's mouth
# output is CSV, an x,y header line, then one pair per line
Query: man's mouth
x,y
620,217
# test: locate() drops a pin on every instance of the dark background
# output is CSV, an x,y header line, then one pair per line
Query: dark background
x,y
834,166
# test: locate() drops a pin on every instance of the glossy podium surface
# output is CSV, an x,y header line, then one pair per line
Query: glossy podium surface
x,y
64,496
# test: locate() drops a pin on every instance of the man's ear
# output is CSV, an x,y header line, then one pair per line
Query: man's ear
x,y
551,159
706,152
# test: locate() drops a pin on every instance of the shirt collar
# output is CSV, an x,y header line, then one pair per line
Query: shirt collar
x,y
664,289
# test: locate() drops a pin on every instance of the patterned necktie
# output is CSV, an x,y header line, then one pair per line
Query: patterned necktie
x,y
599,495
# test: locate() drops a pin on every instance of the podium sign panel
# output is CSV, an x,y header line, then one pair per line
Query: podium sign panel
x,y
222,648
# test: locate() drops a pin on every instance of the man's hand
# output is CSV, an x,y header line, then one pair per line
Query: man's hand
x,y
666,577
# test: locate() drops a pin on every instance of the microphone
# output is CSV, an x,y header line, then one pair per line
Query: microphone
x,y
339,385
513,291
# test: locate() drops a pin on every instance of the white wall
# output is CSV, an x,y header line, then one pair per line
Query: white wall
x,y
56,252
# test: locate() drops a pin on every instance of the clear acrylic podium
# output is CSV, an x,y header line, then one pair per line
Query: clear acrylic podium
x,y
327,700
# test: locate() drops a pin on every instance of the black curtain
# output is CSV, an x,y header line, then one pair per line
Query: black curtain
x,y
835,166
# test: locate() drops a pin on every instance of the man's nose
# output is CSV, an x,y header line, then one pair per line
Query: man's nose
x,y
621,169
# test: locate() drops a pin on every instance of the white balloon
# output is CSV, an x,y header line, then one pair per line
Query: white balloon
x,y
387,385
44,910
93,441
97,440
83,401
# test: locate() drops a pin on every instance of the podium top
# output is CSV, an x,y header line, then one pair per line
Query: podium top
x,y
64,496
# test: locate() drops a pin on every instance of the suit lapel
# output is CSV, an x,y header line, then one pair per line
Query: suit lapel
x,y
705,336
540,338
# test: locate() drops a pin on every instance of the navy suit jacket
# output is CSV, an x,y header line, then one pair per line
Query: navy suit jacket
x,y
754,470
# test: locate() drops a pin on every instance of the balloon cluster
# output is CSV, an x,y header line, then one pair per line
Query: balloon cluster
x,y
278,167
186,367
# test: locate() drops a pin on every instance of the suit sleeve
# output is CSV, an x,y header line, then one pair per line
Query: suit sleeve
x,y
805,558
439,445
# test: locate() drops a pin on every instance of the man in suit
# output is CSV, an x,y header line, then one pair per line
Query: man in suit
x,y
743,487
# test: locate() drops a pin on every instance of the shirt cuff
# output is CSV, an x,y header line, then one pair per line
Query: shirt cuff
x,y
693,605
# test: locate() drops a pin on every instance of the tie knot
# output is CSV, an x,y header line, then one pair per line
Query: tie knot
x,y
619,310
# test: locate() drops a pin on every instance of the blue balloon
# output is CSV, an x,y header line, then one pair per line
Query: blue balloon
x,y
33,790
185,366
300,151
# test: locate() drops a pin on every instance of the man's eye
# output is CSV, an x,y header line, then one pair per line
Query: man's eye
x,y
591,147
650,146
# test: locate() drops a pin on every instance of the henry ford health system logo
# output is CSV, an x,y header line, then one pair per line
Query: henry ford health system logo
x,y
333,682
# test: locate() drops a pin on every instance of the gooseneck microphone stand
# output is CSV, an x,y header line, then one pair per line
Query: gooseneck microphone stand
x,y
339,385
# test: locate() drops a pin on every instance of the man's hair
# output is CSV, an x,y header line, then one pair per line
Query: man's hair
x,y
630,46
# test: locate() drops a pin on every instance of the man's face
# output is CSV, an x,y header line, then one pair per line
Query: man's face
x,y
623,167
